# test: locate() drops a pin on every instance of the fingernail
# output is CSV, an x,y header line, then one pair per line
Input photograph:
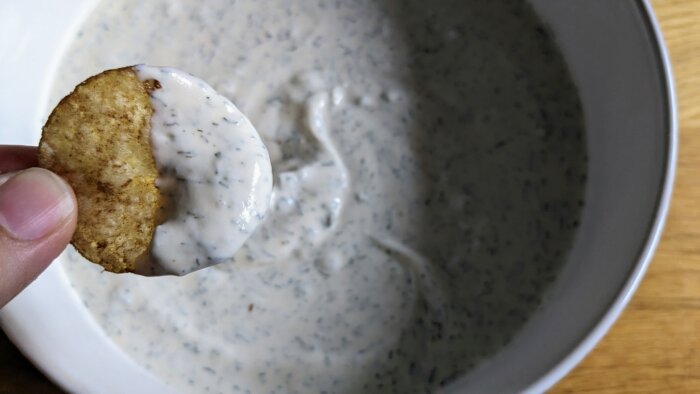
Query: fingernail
x,y
33,204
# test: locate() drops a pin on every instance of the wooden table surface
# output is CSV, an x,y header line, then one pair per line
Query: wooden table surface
x,y
655,346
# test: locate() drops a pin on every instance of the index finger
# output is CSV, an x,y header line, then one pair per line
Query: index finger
x,y
17,157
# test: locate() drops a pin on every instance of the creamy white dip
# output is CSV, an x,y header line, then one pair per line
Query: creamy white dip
x,y
428,164
214,174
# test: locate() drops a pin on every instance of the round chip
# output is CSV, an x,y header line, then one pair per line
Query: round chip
x,y
99,139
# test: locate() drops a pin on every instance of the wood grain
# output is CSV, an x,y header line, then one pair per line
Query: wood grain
x,y
655,346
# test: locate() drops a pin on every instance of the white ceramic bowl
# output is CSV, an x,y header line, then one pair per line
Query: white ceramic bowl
x,y
617,58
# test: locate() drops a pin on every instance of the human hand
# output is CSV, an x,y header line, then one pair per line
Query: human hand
x,y
38,214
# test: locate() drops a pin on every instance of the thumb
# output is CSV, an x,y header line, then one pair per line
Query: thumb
x,y
38,214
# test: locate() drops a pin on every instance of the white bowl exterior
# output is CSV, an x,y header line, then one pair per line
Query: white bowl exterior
x,y
618,61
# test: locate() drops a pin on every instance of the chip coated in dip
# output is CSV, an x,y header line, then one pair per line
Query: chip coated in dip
x,y
214,174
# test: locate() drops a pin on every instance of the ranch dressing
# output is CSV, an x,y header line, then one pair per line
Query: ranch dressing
x,y
428,164
214,174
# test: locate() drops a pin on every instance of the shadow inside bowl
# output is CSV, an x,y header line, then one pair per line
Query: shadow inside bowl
x,y
498,135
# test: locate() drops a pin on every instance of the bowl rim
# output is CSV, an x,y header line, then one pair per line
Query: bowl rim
x,y
647,250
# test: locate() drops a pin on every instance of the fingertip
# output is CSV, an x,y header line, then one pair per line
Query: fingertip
x,y
38,216
35,203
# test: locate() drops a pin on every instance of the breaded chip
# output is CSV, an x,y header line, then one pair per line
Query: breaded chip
x,y
98,139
